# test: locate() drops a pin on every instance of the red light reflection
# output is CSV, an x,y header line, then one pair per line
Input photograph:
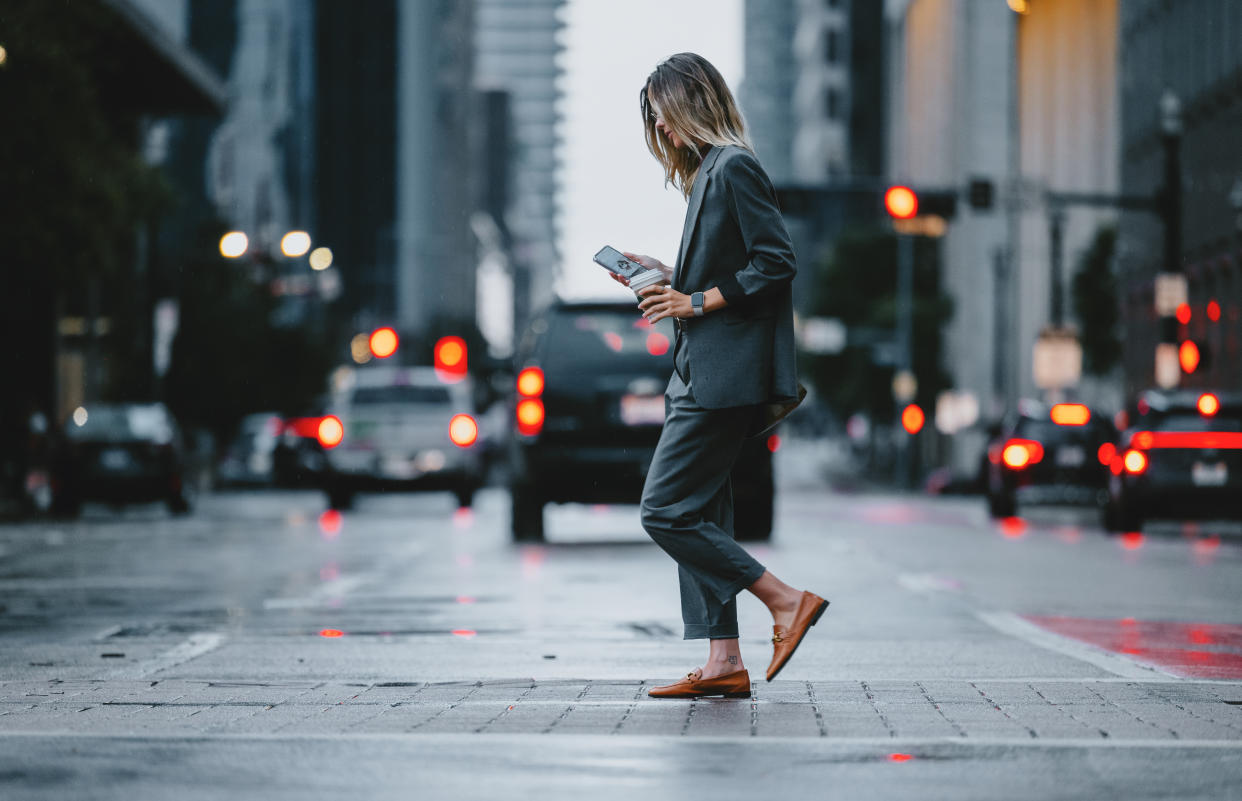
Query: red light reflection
x,y
465,599
1190,650
463,517
331,633
900,757
774,443
613,340
1014,528
330,523
1132,540
464,633
657,343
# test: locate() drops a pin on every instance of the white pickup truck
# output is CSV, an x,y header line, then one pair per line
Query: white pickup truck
x,y
404,428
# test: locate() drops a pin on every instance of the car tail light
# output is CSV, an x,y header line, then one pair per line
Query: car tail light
x,y
530,382
463,430
1070,414
1208,404
330,431
1135,462
1019,453
530,416
1106,453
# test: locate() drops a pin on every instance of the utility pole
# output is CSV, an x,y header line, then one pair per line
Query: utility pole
x,y
905,345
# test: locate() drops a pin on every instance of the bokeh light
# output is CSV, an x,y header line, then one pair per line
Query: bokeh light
x,y
383,342
360,348
79,416
320,259
234,244
295,244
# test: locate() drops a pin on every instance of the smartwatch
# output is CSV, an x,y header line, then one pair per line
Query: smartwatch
x,y
696,301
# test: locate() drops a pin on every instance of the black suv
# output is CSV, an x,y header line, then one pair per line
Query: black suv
x,y
1049,455
588,409
1180,458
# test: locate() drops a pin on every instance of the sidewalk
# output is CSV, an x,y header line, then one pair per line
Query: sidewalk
x,y
1109,710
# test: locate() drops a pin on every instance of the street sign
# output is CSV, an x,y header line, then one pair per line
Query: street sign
x,y
1057,359
824,335
1170,293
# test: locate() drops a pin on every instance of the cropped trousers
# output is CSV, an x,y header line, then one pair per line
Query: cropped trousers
x,y
687,505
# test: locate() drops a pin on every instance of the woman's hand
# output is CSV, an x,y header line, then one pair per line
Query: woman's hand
x,y
651,264
663,301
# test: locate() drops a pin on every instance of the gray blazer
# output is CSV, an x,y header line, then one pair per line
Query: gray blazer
x,y
735,239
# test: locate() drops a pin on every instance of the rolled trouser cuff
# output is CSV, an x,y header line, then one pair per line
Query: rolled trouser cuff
x,y
703,631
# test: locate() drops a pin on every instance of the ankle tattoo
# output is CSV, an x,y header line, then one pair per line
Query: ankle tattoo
x,y
733,660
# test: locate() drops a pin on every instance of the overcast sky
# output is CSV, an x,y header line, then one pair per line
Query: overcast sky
x,y
611,189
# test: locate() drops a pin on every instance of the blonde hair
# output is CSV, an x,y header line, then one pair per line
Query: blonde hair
x,y
695,103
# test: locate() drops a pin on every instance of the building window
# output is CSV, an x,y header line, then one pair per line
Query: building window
x,y
832,104
830,47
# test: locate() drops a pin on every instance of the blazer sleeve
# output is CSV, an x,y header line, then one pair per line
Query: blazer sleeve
x,y
769,252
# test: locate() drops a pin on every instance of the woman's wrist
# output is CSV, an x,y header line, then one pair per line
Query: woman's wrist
x,y
713,301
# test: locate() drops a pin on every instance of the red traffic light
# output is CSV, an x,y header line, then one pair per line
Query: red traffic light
x,y
383,342
901,203
450,359
1188,356
912,419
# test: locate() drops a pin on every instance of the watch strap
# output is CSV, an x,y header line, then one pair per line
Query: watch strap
x,y
696,302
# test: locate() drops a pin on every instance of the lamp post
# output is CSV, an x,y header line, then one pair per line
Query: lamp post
x,y
1171,290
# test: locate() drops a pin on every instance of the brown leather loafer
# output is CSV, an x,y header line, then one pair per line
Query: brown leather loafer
x,y
785,641
730,685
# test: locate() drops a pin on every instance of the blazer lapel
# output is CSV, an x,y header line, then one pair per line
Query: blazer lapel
x,y
693,206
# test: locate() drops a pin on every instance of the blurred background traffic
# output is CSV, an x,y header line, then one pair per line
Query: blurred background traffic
x,y
346,246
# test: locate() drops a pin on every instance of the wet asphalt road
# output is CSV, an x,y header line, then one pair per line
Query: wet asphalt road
x,y
144,657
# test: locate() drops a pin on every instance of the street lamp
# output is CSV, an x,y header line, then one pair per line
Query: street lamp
x,y
1171,283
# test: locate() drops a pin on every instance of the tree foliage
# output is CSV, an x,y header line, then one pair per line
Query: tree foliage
x,y
1095,304
74,184
857,285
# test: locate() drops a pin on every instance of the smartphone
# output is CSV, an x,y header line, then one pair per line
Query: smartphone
x,y
615,261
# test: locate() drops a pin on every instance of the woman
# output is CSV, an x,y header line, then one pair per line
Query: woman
x,y
730,297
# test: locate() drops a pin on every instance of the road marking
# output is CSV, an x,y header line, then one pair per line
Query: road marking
x,y
1014,626
926,583
195,646
884,743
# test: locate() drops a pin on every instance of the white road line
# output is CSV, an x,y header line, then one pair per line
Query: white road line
x,y
195,646
886,744
1014,626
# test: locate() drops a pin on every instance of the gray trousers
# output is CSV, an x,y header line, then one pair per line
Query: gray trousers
x,y
687,506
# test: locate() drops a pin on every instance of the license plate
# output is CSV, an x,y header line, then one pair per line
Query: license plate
x,y
1070,456
640,410
115,458
1209,475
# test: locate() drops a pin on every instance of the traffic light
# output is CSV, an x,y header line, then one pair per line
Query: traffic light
x,y
912,419
450,359
979,192
901,202
383,342
1193,354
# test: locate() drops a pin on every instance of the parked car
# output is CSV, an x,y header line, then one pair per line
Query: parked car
x,y
250,456
400,428
1048,454
1180,457
588,410
122,453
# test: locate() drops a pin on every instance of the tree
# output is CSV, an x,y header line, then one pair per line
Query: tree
x,y
1095,304
857,285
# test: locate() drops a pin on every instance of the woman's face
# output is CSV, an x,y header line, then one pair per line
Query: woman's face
x,y
665,130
